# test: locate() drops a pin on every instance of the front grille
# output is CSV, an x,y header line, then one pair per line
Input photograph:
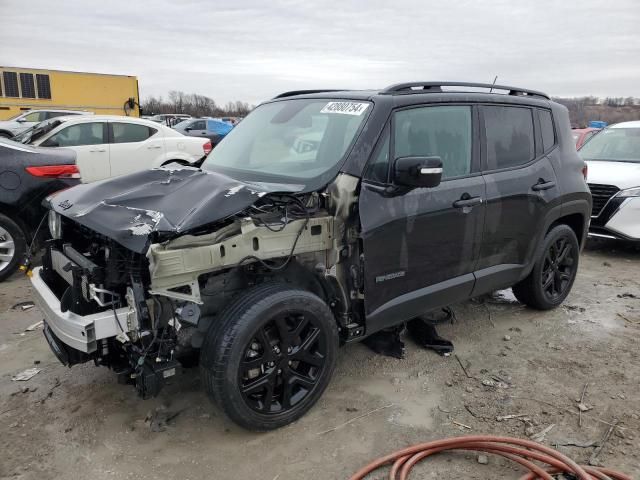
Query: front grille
x,y
601,195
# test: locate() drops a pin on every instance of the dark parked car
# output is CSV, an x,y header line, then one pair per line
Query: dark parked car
x,y
214,130
27,176
322,218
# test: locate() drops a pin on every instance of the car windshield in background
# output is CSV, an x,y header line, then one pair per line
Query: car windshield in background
x,y
299,139
37,131
614,144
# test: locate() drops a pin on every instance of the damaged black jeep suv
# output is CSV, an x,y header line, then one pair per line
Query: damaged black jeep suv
x,y
322,218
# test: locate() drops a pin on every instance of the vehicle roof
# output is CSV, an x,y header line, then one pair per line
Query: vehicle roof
x,y
94,118
58,110
632,124
412,97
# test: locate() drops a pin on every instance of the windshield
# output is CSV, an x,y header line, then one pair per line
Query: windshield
x,y
289,141
614,144
32,134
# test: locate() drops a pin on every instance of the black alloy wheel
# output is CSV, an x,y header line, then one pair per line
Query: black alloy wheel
x,y
554,271
558,268
282,363
269,355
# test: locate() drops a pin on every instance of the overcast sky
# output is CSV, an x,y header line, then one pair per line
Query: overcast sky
x,y
252,50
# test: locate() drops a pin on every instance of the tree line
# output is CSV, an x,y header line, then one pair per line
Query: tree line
x,y
581,109
609,109
193,104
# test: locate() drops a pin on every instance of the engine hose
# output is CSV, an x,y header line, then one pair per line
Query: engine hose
x,y
520,451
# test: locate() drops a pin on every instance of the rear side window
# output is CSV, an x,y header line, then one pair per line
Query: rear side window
x,y
509,136
548,133
77,135
130,132
198,125
443,131
58,114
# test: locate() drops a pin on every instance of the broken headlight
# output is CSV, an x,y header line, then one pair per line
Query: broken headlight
x,y
55,225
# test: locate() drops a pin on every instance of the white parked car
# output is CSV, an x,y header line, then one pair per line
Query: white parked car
x,y
613,160
108,146
26,120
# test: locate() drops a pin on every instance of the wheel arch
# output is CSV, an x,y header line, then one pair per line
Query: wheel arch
x,y
14,215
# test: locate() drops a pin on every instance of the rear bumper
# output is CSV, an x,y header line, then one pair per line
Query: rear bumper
x,y
76,331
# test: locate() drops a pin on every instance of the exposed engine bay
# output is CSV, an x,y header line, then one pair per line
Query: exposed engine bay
x,y
164,297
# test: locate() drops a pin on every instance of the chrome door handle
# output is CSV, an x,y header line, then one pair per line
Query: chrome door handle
x,y
154,147
467,202
97,150
543,185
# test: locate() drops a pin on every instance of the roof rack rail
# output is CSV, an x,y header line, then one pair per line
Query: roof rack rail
x,y
305,92
436,87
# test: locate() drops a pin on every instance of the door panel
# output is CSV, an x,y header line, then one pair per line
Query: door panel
x,y
518,197
134,147
89,141
421,247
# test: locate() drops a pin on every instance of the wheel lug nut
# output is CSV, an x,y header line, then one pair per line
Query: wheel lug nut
x,y
279,371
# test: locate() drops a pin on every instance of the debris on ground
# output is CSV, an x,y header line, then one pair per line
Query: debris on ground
x,y
593,460
23,306
483,459
36,325
160,418
25,375
540,436
627,295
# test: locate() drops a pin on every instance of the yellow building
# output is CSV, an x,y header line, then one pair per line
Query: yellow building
x,y
24,89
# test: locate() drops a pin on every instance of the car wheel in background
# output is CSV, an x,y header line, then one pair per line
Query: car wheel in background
x,y
553,274
5,135
13,245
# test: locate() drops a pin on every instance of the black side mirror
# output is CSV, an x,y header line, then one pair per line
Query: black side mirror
x,y
187,129
417,172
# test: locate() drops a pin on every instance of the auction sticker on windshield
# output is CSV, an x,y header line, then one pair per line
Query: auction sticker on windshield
x,y
346,108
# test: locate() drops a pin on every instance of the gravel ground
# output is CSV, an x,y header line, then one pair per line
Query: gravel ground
x,y
79,423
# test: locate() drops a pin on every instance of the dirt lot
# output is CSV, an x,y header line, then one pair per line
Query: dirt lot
x,y
79,423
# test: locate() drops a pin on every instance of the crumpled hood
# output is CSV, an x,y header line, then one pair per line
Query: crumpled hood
x,y
129,208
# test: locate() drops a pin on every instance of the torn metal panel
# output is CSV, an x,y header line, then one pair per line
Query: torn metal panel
x,y
172,268
166,200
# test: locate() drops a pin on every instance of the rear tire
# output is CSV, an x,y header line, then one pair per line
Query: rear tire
x,y
269,356
554,272
5,135
13,245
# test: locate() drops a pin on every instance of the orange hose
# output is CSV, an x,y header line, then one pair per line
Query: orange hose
x,y
511,448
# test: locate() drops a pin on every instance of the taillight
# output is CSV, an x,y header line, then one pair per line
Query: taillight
x,y
585,171
207,147
54,171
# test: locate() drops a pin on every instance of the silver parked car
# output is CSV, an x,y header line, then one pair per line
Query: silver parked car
x,y
26,120
613,160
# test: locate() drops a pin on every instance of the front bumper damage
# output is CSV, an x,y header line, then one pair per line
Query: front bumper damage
x,y
80,332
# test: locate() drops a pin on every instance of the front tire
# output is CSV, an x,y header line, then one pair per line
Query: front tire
x,y
554,272
13,245
269,356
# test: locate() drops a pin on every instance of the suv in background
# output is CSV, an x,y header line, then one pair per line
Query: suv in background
x,y
26,120
613,158
324,217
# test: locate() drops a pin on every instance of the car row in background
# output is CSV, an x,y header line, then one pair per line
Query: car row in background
x,y
107,146
211,128
27,176
24,121
613,161
583,134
